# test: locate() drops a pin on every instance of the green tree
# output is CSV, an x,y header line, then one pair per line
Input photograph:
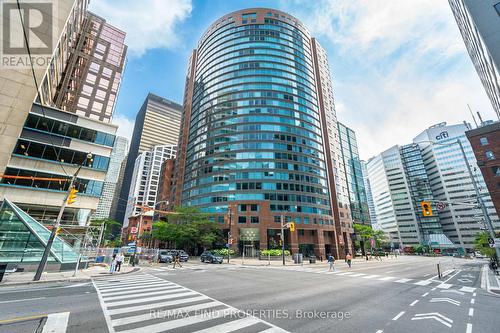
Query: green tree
x,y
482,246
109,234
380,238
364,233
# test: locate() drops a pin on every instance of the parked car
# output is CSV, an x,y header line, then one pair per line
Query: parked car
x,y
210,257
165,256
183,256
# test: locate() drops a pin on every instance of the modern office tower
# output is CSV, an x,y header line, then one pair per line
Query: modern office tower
x,y
479,25
90,81
18,87
254,147
156,123
118,154
391,196
146,179
51,146
119,203
369,196
485,142
451,183
351,163
399,184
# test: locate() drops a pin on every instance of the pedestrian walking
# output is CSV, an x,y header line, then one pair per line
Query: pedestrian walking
x,y
112,267
331,261
119,261
177,260
348,258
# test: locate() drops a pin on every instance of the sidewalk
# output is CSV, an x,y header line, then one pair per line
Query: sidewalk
x,y
83,275
489,281
274,262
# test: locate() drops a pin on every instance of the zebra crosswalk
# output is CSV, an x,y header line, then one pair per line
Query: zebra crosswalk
x,y
143,303
378,277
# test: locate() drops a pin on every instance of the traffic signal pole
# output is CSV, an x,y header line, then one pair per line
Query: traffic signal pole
x,y
46,252
480,201
282,239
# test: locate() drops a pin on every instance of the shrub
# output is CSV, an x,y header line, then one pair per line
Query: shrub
x,y
274,253
223,252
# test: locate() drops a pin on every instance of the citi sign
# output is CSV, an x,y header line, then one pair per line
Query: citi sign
x,y
442,135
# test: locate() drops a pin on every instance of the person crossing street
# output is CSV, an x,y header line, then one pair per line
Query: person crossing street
x,y
331,261
177,260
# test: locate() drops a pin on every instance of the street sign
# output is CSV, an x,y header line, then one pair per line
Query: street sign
x,y
230,241
133,230
372,242
491,242
440,205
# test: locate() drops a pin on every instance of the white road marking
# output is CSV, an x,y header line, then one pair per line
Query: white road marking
x,y
398,315
452,291
403,280
414,302
469,328
425,294
149,286
143,294
231,326
444,285
447,300
178,293
434,315
157,305
471,312
56,323
423,282
387,278
379,331
370,276
474,294
467,289
472,301
358,274
138,291
21,300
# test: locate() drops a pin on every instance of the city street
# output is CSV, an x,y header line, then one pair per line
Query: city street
x,y
395,295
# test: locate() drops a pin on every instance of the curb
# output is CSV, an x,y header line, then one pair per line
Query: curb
x,y
68,279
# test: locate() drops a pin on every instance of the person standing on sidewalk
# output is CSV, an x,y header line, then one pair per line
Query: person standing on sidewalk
x,y
331,261
112,266
119,260
177,260
348,258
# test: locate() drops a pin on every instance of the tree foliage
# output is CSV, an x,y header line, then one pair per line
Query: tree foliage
x,y
482,246
189,228
109,233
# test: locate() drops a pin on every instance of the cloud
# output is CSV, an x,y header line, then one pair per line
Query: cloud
x,y
398,66
149,24
125,126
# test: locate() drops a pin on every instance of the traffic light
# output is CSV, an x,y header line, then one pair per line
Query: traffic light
x,y
58,231
72,196
426,208
292,226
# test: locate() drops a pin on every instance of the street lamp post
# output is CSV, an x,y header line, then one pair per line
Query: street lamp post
x,y
46,252
480,201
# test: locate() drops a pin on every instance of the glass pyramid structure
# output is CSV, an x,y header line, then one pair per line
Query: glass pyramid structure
x,y
23,239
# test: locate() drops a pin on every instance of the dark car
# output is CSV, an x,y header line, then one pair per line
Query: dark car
x,y
165,256
210,257
183,256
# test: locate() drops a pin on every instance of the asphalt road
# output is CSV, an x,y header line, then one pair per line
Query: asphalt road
x,y
395,295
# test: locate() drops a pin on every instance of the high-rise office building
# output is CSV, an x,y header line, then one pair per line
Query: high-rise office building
x,y
358,202
399,183
485,141
156,123
258,111
18,86
479,24
117,157
119,203
90,82
451,183
369,196
146,180
53,142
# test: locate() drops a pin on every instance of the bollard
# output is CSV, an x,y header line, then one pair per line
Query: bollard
x,y
439,271
269,259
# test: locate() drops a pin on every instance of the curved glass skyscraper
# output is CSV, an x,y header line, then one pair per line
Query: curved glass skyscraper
x,y
255,141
